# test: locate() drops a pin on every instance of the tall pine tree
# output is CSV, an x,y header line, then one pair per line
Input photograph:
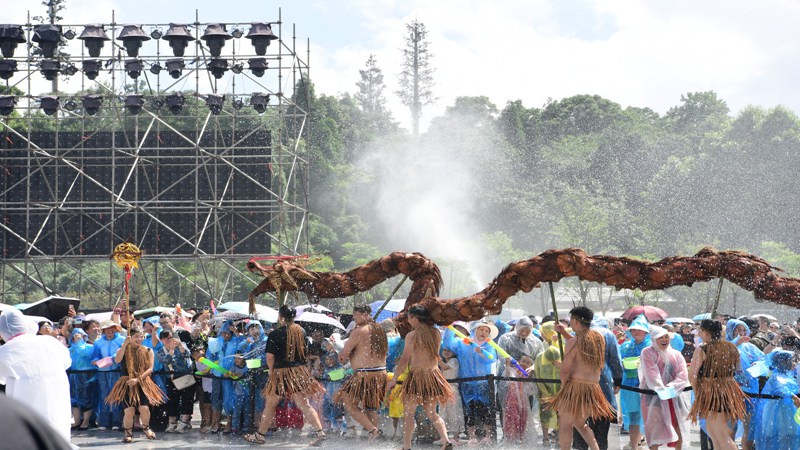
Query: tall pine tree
x,y
416,79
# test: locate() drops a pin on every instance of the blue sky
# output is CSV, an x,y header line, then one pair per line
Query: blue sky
x,y
635,52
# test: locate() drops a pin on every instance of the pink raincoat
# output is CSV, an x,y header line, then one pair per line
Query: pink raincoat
x,y
660,369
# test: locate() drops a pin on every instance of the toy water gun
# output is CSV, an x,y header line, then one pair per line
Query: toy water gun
x,y
213,308
219,368
505,354
468,340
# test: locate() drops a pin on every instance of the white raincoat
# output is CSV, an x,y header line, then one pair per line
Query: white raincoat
x,y
660,369
33,368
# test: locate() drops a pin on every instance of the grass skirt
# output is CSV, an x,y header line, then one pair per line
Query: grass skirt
x,y
364,388
289,381
581,399
718,396
131,396
427,386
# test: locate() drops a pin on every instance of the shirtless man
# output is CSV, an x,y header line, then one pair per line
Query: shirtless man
x,y
425,384
366,350
580,396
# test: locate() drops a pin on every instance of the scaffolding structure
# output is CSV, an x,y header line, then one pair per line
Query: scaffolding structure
x,y
198,158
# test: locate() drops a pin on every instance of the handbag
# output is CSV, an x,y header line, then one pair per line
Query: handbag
x,y
184,382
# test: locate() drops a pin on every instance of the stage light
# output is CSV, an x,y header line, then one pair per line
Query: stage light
x,y
258,66
237,104
175,67
7,103
237,68
156,68
70,105
8,67
70,69
69,34
132,37
134,68
260,35
214,103
91,68
49,104
48,36
157,103
94,38
91,103
218,67
178,37
134,103
50,68
237,33
10,37
156,34
215,37
259,102
175,103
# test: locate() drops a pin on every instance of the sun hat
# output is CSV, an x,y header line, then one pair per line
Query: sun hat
x,y
493,332
109,324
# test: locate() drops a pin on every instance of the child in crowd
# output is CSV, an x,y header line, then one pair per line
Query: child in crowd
x,y
332,380
203,387
240,408
517,407
82,386
452,413
548,367
395,399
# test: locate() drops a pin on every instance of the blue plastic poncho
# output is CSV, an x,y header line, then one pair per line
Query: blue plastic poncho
x,y
773,422
631,402
471,364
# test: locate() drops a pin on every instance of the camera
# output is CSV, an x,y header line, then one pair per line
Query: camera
x,y
771,335
77,321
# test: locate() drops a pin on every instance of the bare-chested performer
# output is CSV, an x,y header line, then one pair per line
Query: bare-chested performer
x,y
425,384
366,349
580,396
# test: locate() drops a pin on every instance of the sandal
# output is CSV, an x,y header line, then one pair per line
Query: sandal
x,y
128,436
375,434
255,438
148,432
447,446
319,437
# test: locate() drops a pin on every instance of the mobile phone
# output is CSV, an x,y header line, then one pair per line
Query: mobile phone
x,y
77,321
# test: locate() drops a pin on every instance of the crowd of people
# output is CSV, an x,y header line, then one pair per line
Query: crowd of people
x,y
566,381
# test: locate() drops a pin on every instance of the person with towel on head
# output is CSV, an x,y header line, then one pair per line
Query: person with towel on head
x,y
663,368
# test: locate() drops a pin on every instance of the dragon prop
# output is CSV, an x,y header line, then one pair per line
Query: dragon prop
x,y
745,270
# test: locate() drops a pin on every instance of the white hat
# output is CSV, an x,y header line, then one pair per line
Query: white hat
x,y
657,332
493,332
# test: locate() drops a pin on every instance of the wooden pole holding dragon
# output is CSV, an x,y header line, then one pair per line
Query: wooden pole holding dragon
x,y
745,270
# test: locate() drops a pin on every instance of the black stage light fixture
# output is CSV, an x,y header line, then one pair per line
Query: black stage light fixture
x,y
48,37
70,105
134,103
132,37
178,37
91,103
49,104
215,36
91,68
156,68
237,33
70,34
8,67
259,101
7,103
258,66
70,69
156,34
94,38
50,68
134,67
157,103
237,68
214,103
237,103
260,35
218,67
175,103
175,67
10,37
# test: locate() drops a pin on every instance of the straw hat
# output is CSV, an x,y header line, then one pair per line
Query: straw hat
x,y
493,332
109,324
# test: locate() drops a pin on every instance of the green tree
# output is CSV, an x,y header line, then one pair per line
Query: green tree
x,y
416,79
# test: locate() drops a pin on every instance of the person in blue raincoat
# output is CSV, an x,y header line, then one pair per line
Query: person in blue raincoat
x,y
738,333
254,346
82,386
630,401
774,424
475,362
222,351
105,348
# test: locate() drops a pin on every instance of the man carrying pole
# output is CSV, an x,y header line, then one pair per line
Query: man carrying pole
x,y
366,348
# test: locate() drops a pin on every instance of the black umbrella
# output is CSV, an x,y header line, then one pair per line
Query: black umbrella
x,y
52,307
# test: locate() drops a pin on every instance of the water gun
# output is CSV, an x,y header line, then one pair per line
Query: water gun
x,y
213,308
505,354
468,340
219,368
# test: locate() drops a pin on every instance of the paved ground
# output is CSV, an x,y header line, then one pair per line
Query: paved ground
x,y
192,439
